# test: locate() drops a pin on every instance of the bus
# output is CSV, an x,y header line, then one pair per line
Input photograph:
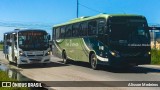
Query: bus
x,y
104,39
27,46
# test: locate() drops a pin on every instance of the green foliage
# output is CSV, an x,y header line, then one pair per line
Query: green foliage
x,y
4,77
155,56
1,47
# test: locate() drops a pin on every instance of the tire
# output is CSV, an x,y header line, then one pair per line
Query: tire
x,y
93,62
64,57
18,65
10,62
8,59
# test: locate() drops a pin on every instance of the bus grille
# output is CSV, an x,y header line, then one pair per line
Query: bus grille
x,y
130,54
40,55
35,59
30,55
34,55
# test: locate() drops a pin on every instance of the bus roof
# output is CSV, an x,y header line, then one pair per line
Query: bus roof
x,y
81,19
19,30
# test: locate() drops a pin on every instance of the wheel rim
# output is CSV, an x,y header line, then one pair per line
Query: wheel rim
x,y
93,61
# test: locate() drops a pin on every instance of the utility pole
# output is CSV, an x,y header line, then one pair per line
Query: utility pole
x,y
77,8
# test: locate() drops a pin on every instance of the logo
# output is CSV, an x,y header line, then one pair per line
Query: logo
x,y
6,84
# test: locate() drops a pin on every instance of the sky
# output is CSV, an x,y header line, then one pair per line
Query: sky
x,y
59,11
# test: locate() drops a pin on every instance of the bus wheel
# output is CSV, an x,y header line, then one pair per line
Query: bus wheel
x,y
64,57
18,65
8,59
10,62
93,62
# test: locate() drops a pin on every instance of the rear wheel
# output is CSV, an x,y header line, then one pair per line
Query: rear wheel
x,y
93,61
64,57
8,59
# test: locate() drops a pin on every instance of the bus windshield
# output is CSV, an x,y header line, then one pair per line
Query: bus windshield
x,y
129,31
33,40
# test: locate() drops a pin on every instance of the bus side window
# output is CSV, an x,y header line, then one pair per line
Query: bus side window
x,y
92,27
53,34
57,33
101,27
4,43
62,35
15,40
83,29
75,30
4,39
69,31
8,40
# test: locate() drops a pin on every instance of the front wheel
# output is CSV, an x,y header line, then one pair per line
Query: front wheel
x,y
64,57
93,62
18,65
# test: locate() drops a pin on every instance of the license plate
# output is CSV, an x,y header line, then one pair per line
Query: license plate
x,y
34,61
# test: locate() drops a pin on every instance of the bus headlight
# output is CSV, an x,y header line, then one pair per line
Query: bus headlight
x,y
48,53
21,53
113,53
149,53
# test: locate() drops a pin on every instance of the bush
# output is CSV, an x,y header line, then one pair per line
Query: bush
x,y
1,42
155,56
1,46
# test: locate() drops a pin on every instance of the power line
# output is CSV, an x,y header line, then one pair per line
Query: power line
x,y
89,8
79,4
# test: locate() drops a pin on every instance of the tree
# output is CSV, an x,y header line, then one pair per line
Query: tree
x,y
1,42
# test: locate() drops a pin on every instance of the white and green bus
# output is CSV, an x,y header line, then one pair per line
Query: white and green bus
x,y
115,40
27,46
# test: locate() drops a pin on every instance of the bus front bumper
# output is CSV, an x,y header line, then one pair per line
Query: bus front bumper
x,y
29,60
126,61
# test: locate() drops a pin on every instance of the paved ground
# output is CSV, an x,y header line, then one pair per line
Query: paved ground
x,y
78,71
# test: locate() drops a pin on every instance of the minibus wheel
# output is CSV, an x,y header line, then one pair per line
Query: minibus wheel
x,y
18,65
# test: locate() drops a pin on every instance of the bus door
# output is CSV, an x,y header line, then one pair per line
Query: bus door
x,y
13,45
5,47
